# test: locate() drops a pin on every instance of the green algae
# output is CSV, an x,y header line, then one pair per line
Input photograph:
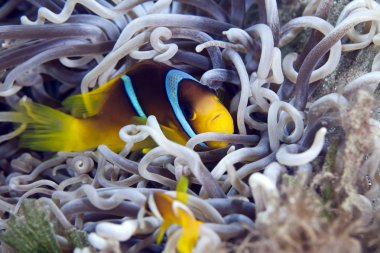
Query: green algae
x,y
32,232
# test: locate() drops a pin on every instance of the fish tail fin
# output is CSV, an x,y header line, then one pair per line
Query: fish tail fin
x,y
48,129
16,118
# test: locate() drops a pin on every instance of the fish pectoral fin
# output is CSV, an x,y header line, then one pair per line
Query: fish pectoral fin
x,y
138,120
171,132
144,146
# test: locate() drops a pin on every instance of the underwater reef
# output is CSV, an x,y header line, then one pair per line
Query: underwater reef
x,y
299,173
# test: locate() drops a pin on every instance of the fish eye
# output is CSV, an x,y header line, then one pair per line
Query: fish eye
x,y
188,112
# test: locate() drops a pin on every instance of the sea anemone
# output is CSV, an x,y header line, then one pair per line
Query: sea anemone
x,y
301,173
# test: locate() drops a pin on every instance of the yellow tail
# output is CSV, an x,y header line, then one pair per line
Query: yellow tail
x,y
49,129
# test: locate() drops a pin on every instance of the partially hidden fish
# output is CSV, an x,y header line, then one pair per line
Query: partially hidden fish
x,y
180,103
174,211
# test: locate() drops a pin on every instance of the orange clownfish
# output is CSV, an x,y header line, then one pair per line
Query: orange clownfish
x,y
174,211
178,101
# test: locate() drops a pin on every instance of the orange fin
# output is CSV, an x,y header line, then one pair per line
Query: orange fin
x,y
164,226
190,234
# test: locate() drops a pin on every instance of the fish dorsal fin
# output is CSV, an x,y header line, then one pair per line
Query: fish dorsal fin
x,y
84,105
172,80
90,103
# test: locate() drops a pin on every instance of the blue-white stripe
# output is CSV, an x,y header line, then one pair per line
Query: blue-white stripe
x,y
172,80
132,95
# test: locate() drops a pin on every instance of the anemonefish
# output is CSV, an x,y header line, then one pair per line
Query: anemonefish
x,y
177,99
174,211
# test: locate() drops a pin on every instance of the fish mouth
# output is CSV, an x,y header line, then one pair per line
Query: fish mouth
x,y
217,116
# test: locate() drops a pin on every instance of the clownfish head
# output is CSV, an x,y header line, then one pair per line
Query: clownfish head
x,y
204,111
